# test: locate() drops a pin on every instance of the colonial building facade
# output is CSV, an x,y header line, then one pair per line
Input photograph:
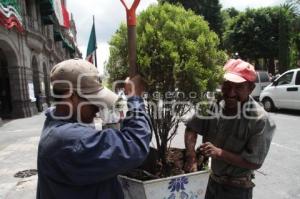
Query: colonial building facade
x,y
33,38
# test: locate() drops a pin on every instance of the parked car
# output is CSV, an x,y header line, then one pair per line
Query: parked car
x,y
262,80
284,92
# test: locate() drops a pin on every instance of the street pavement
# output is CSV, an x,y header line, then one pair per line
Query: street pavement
x,y
277,179
18,151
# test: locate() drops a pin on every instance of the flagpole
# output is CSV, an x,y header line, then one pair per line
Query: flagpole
x,y
96,43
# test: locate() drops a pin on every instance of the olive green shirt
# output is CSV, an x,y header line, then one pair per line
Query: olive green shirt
x,y
248,134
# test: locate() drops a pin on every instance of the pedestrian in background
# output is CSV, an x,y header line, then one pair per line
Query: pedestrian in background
x,y
74,159
237,137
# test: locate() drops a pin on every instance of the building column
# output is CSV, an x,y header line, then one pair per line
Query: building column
x,y
22,105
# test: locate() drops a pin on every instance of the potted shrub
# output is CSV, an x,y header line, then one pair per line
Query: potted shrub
x,y
180,59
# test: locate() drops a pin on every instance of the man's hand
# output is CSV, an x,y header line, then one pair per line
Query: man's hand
x,y
209,150
190,164
134,86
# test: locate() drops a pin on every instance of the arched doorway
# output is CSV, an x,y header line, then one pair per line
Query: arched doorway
x,y
5,93
46,83
36,83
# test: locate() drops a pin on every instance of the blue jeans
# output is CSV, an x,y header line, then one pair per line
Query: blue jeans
x,y
219,191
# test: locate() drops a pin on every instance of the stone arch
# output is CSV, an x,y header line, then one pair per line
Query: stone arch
x,y
36,81
9,49
8,58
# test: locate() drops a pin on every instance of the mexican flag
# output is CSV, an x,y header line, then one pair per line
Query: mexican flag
x,y
66,16
92,46
57,5
61,13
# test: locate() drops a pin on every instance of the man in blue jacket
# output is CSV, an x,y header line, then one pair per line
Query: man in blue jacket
x,y
74,159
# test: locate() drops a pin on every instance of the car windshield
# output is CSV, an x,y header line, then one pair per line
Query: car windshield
x,y
264,77
285,79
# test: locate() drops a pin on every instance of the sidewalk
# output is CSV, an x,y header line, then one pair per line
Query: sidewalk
x,y
14,158
18,152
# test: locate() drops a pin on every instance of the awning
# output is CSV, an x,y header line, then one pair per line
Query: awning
x,y
59,36
46,4
47,12
68,45
48,20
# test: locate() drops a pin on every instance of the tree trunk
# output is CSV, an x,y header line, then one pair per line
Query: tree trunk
x,y
257,65
271,66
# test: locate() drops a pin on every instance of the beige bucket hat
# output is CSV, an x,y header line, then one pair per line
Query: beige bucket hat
x,y
83,77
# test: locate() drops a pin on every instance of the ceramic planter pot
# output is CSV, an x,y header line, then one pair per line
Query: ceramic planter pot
x,y
186,186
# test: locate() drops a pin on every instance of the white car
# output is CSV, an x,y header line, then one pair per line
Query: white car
x,y
284,92
262,81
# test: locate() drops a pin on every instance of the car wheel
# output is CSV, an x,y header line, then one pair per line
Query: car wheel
x,y
268,104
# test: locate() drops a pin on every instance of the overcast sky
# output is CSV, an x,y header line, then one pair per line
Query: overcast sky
x,y
110,13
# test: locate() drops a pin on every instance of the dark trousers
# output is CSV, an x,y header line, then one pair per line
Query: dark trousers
x,y
219,191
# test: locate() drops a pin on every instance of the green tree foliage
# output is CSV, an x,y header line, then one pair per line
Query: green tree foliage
x,y
209,9
178,55
232,12
254,34
267,33
227,16
289,28
286,16
296,45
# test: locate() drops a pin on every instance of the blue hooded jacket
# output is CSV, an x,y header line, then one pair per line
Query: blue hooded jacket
x,y
79,162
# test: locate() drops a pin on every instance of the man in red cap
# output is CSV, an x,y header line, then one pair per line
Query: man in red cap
x,y
237,136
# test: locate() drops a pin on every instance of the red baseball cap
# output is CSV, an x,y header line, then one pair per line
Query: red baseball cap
x,y
238,71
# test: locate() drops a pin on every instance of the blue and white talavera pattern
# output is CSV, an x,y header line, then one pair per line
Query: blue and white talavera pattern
x,y
187,186
178,190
